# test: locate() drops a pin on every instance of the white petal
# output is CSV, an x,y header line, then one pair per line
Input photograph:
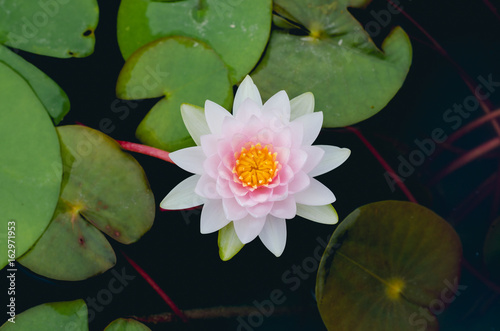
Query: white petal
x,y
248,228
312,126
301,105
314,156
195,122
190,159
247,89
278,104
286,208
334,156
214,114
229,243
207,188
212,217
316,194
325,214
182,196
273,235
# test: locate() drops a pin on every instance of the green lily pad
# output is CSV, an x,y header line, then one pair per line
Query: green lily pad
x,y
337,61
389,265
53,28
69,315
126,324
492,250
237,30
103,189
50,94
30,171
181,70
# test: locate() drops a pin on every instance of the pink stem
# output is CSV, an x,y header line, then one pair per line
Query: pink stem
x,y
467,158
157,288
479,276
384,164
146,150
492,8
472,125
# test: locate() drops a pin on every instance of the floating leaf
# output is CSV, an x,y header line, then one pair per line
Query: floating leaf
x,y
181,70
350,77
53,28
229,243
30,171
126,324
69,315
103,189
50,94
492,250
388,266
237,30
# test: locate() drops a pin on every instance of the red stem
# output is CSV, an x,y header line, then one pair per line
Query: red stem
x,y
384,164
467,158
472,125
157,288
146,150
479,276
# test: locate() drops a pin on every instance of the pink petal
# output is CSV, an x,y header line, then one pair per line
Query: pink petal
x,y
238,141
190,159
224,172
260,209
279,193
212,217
206,187
286,174
284,138
247,110
300,182
248,228
273,235
314,156
282,154
278,104
261,194
232,209
214,115
265,136
223,189
316,194
298,133
247,89
312,126
285,208
297,159
211,166
237,188
245,200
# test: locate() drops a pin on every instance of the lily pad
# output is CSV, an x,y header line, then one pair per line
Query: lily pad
x,y
103,189
30,171
492,250
237,30
69,315
50,94
126,324
53,28
389,265
334,58
181,70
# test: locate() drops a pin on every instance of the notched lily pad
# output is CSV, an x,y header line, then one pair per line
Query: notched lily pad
x,y
50,94
237,30
126,324
30,170
334,58
389,265
104,189
69,315
181,70
54,28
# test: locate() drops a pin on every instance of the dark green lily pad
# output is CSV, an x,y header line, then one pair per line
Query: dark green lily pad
x,y
69,315
53,28
237,30
336,60
389,265
103,189
50,94
30,170
181,70
492,250
126,324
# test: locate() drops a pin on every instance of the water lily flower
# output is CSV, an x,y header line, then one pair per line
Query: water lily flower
x,y
255,168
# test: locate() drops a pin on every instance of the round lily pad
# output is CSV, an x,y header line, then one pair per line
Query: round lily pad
x,y
104,189
126,324
50,94
69,315
389,265
30,171
181,70
336,60
237,30
53,28
492,250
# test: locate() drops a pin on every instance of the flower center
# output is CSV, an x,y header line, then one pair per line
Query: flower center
x,y
256,166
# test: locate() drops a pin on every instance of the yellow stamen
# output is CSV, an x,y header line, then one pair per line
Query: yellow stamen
x,y
256,166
